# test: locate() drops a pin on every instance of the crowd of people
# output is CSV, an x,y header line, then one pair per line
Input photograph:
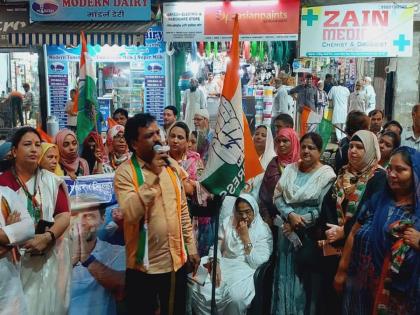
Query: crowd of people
x,y
342,235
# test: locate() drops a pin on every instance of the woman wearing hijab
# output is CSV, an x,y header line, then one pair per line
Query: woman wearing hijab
x,y
298,199
50,158
264,145
117,146
287,149
356,183
70,161
245,242
380,266
93,152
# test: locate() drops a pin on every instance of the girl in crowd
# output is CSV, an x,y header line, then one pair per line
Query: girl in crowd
x,y
264,145
356,183
50,158
117,147
287,150
388,142
298,198
70,161
192,143
380,266
46,267
245,242
94,153
191,163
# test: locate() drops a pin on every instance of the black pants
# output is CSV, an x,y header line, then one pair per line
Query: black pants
x,y
142,289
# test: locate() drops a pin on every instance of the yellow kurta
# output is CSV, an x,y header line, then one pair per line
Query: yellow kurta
x,y
157,196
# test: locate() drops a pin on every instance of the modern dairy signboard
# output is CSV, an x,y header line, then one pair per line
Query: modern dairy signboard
x,y
213,21
357,30
89,10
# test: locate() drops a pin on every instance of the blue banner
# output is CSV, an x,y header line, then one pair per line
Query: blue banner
x,y
89,10
92,190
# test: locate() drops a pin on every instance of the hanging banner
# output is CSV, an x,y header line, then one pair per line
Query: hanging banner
x,y
357,30
58,83
89,10
213,21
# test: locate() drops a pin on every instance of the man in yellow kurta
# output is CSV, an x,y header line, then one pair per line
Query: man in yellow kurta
x,y
157,225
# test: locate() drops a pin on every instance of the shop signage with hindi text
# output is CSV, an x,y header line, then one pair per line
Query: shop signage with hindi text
x,y
357,30
89,10
213,21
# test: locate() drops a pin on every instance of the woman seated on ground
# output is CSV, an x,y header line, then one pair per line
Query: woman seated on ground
x,y
93,152
245,242
70,161
50,158
298,197
117,147
380,266
388,142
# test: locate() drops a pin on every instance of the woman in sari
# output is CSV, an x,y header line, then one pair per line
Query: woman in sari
x,y
298,198
355,183
388,142
193,166
245,242
117,147
46,265
93,152
380,266
287,150
264,145
70,161
50,158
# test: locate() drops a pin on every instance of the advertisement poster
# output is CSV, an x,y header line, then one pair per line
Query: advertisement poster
x,y
89,10
58,90
154,73
357,30
213,21
105,108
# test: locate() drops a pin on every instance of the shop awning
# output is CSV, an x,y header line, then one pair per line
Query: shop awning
x,y
68,33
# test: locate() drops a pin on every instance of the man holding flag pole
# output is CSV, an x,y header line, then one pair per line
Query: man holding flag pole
x,y
232,156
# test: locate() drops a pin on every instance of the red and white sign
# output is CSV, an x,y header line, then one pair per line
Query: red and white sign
x,y
213,21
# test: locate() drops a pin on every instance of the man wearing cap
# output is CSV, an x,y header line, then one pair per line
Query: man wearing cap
x,y
192,101
204,133
370,94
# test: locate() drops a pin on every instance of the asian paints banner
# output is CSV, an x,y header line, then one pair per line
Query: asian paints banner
x,y
89,10
213,21
358,30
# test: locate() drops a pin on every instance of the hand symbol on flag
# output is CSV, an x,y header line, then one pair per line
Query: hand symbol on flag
x,y
229,135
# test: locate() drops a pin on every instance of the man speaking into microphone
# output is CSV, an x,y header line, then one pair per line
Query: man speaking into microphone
x,y
157,226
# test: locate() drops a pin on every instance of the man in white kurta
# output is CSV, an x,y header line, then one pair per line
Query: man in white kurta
x,y
238,261
339,95
193,100
12,298
370,94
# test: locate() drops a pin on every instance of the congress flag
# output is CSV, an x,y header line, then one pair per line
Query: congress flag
x,y
87,103
232,155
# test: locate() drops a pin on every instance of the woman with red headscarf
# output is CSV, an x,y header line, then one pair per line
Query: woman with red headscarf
x,y
287,149
71,163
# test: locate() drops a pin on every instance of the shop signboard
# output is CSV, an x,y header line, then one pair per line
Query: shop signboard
x,y
89,10
357,30
104,104
12,18
58,89
213,21
154,73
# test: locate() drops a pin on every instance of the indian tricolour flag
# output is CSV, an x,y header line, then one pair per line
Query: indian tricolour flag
x,y
232,155
86,105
